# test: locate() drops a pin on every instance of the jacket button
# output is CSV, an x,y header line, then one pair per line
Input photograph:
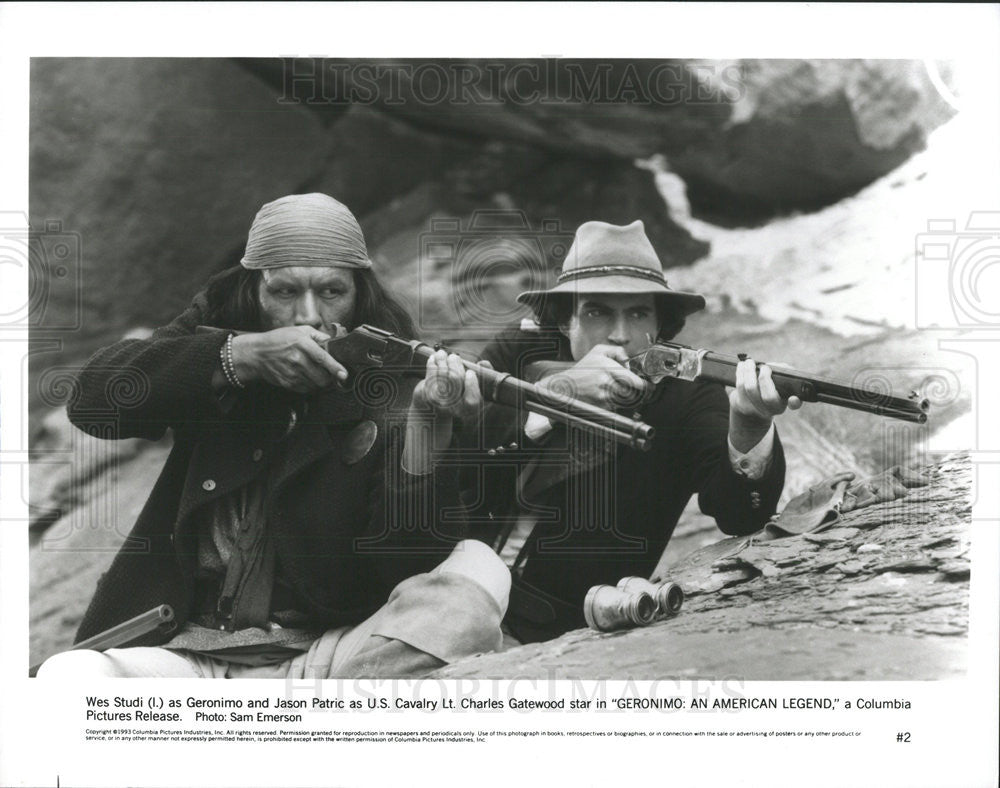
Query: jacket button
x,y
513,445
492,452
208,485
257,454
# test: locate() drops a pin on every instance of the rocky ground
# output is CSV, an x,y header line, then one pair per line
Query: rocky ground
x,y
882,595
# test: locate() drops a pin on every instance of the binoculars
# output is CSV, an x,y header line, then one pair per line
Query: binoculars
x,y
634,602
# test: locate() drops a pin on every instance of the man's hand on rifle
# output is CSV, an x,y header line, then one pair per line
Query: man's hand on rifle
x,y
448,388
599,378
753,404
291,358
449,391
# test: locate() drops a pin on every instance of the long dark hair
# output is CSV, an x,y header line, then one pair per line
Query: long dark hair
x,y
234,302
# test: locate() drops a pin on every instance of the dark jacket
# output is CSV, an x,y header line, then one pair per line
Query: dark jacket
x,y
607,519
347,528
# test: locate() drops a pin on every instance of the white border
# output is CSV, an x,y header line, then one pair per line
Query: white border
x,y
35,745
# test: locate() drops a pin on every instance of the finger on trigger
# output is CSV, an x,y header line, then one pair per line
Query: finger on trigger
x,y
623,375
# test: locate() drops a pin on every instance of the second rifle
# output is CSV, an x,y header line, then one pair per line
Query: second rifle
x,y
367,347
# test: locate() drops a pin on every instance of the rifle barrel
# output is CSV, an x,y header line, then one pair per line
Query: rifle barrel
x,y
721,368
506,389
368,346
123,633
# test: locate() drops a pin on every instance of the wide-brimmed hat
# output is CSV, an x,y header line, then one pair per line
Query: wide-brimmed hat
x,y
607,258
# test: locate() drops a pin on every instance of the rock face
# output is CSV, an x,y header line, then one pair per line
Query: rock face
x,y
156,168
803,134
751,137
883,595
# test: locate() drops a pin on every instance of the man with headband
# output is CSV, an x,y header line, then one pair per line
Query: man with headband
x,y
294,526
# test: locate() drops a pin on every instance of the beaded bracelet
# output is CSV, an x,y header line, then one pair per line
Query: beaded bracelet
x,y
228,367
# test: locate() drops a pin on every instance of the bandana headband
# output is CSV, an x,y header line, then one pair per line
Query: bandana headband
x,y
305,229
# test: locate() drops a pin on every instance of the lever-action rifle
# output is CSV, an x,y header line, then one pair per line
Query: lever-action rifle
x,y
367,346
669,360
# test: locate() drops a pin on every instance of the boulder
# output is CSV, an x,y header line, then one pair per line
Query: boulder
x,y
806,133
754,138
157,166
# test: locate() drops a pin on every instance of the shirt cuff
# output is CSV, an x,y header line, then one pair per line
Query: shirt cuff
x,y
754,463
537,426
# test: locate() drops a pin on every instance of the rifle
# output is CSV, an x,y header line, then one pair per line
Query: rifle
x,y
368,347
160,617
669,360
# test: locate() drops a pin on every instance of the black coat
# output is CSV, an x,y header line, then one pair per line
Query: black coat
x,y
614,518
347,528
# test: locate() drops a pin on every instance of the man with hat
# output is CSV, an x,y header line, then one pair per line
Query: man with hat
x,y
290,531
566,511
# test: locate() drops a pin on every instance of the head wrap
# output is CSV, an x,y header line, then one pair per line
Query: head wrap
x,y
305,229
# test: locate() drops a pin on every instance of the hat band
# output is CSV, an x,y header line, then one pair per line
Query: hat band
x,y
604,270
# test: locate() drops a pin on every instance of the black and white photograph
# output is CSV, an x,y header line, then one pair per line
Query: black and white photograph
x,y
471,399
